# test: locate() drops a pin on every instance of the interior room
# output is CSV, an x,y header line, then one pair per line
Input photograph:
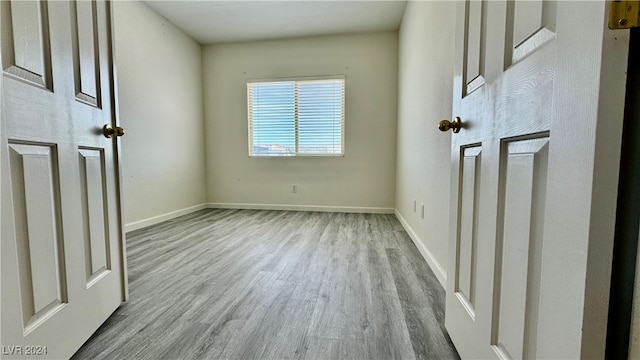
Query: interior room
x,y
207,166
218,173
457,213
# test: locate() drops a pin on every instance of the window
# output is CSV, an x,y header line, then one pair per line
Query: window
x,y
296,117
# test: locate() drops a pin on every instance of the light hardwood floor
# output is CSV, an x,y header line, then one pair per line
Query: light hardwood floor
x,y
247,284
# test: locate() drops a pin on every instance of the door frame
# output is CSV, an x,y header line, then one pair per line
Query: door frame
x,y
625,248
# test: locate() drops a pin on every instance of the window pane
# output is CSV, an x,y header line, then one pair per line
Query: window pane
x,y
320,117
273,114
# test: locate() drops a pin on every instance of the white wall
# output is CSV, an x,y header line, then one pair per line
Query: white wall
x,y
159,71
363,178
426,51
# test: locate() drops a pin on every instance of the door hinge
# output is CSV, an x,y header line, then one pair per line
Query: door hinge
x,y
624,14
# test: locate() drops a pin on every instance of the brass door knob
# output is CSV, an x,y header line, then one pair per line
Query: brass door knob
x,y
455,125
109,131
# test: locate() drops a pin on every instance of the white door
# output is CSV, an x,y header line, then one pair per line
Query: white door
x,y
539,86
62,255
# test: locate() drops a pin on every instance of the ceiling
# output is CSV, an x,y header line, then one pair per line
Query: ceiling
x,y
229,21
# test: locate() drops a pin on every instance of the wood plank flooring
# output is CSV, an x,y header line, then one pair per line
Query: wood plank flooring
x,y
249,284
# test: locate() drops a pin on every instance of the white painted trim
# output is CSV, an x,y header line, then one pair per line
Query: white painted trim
x,y
441,274
163,217
346,209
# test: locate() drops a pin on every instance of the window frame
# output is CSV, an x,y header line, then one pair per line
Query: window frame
x,y
296,154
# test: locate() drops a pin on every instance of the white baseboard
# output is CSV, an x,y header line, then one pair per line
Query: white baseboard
x,y
435,266
160,218
346,209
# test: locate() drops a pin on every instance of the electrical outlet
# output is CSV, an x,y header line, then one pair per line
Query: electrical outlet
x,y
422,215
414,206
294,188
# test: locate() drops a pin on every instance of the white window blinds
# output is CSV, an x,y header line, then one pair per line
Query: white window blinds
x,y
296,117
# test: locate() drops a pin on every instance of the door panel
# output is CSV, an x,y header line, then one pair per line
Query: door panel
x,y
517,202
474,46
26,51
86,52
467,256
40,251
518,252
95,220
530,24
62,254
